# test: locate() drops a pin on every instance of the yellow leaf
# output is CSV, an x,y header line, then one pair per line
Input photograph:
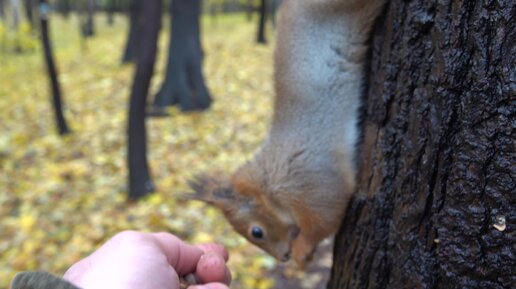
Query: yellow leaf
x,y
27,222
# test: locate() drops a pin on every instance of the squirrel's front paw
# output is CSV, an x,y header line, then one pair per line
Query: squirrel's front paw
x,y
302,252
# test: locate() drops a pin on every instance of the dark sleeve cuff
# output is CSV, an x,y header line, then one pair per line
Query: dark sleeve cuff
x,y
40,280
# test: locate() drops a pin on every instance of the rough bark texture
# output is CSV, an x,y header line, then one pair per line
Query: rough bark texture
x,y
436,203
44,10
184,81
140,183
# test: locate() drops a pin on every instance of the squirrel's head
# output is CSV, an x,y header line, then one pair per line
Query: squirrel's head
x,y
249,211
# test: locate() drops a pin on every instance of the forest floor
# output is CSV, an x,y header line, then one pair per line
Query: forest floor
x,y
62,197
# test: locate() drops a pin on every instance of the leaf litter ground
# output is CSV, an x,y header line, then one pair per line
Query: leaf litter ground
x,y
60,198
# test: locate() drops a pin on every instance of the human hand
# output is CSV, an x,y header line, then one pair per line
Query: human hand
x,y
134,260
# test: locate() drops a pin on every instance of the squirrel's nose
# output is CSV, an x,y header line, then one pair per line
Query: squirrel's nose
x,y
286,257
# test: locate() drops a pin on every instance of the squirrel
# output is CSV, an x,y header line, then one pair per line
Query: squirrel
x,y
295,190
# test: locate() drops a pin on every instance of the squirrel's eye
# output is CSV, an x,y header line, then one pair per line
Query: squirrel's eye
x,y
257,232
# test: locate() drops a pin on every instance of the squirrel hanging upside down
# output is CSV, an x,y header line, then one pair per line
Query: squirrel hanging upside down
x,y
295,190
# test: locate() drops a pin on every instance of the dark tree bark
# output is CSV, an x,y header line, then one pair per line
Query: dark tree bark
x,y
184,80
436,202
29,12
15,6
112,6
44,10
2,9
64,6
274,5
88,22
140,183
262,21
134,38
249,10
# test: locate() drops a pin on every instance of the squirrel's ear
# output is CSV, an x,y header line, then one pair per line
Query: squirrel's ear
x,y
216,191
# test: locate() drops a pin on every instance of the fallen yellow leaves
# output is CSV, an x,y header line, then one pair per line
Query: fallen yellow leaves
x,y
60,198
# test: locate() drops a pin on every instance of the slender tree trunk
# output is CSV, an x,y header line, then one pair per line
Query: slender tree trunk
x,y
111,12
16,13
249,10
184,81
88,22
44,10
436,202
64,7
261,24
274,5
140,183
134,40
2,10
29,12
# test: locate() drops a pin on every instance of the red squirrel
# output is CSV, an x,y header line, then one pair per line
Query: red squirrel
x,y
295,190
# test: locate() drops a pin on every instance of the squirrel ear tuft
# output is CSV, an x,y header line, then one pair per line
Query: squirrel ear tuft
x,y
214,190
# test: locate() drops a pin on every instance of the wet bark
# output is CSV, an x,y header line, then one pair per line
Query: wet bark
x,y
184,81
261,23
140,183
44,10
436,202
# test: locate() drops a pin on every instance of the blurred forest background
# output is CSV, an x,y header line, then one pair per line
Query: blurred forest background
x,y
77,162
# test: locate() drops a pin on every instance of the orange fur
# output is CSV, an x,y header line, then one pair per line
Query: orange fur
x,y
295,190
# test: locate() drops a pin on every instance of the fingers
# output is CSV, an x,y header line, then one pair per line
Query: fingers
x,y
208,261
75,272
216,248
212,268
180,255
210,286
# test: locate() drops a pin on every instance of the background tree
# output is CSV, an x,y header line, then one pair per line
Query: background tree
x,y
112,7
16,13
29,12
436,203
2,9
44,12
249,9
135,27
64,7
184,80
261,23
87,18
140,183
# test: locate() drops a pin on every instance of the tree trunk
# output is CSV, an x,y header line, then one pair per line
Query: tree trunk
x,y
274,5
44,10
184,80
249,10
436,202
111,12
88,22
140,183
16,13
64,6
29,12
2,9
135,32
261,24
